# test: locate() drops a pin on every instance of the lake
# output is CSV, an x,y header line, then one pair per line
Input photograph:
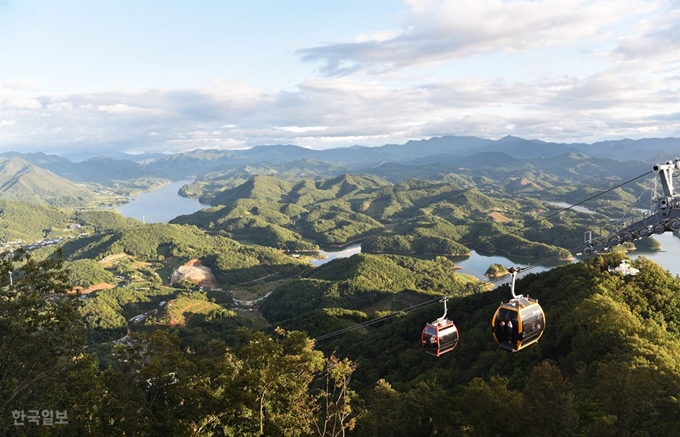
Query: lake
x,y
164,204
160,205
476,264
578,208
668,257
330,254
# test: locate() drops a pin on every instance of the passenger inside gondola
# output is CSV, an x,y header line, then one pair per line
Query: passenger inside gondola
x,y
501,331
430,340
511,325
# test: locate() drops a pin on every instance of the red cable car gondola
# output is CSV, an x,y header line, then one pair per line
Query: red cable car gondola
x,y
440,336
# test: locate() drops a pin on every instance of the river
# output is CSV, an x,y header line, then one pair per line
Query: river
x,y
160,205
164,204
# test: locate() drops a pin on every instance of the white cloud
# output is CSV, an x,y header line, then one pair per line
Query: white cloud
x,y
7,123
656,40
134,111
440,31
301,129
13,98
384,35
179,145
60,106
323,113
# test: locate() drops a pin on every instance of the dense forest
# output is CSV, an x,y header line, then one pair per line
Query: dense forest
x,y
606,365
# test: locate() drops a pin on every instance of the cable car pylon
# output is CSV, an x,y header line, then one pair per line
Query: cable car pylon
x,y
663,215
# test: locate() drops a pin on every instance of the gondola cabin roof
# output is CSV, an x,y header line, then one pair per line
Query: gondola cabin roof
x,y
520,302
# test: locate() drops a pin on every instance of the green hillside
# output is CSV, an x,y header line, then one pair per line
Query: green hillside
x,y
228,176
277,213
138,260
25,182
259,187
610,341
230,261
30,222
359,282
415,216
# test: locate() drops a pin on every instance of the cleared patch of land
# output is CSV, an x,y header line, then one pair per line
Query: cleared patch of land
x,y
498,217
108,260
102,286
194,271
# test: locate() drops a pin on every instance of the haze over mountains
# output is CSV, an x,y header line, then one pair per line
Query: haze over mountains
x,y
472,152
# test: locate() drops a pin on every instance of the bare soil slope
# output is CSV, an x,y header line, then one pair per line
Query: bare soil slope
x,y
194,271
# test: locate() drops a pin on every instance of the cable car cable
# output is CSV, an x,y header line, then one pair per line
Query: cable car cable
x,y
412,273
433,301
380,319
430,302
631,208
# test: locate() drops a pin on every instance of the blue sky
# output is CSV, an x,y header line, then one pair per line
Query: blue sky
x,y
168,76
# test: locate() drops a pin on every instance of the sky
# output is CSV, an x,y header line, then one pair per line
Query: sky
x,y
170,76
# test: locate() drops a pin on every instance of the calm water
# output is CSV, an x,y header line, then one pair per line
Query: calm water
x,y
477,264
668,258
160,205
330,254
578,208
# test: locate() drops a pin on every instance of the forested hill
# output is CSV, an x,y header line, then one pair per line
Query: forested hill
x,y
25,182
231,262
28,223
607,364
415,216
361,287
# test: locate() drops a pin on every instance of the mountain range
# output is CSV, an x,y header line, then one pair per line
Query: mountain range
x,y
506,161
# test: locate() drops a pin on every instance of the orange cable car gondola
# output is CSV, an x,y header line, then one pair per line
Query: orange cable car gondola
x,y
519,322
440,336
